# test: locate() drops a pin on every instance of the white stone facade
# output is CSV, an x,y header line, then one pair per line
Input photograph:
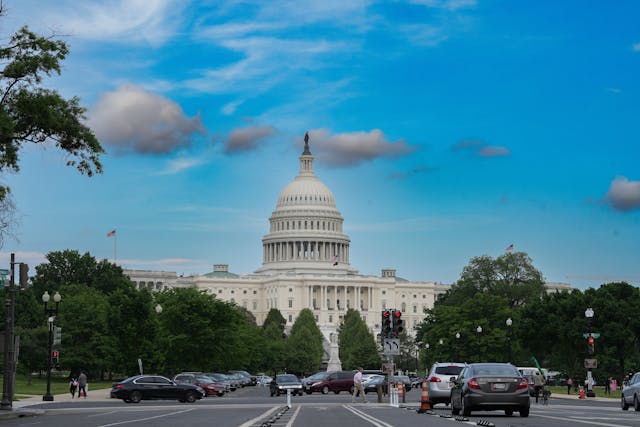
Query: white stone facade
x,y
306,265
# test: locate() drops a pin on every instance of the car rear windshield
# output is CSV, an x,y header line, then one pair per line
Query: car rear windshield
x,y
287,378
490,370
448,370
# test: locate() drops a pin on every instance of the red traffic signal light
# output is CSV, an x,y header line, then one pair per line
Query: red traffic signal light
x,y
591,340
591,345
398,314
386,314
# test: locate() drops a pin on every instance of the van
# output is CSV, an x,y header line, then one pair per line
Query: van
x,y
335,381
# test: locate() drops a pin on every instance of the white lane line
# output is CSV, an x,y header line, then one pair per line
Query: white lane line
x,y
582,421
105,413
293,418
263,415
147,418
376,422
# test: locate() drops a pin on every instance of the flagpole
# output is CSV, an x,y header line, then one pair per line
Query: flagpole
x,y
115,240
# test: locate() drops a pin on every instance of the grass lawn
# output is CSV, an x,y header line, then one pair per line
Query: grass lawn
x,y
38,385
598,389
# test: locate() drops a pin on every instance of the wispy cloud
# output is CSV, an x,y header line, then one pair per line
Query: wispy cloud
x,y
623,195
134,120
415,171
480,149
451,5
636,47
125,21
181,164
346,149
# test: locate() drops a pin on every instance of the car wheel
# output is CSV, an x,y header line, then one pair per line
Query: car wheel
x,y
464,408
508,412
190,397
135,397
624,404
325,389
220,393
126,400
524,412
352,389
308,391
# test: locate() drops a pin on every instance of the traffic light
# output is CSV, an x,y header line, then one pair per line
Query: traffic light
x,y
591,345
55,358
397,324
57,336
385,324
24,275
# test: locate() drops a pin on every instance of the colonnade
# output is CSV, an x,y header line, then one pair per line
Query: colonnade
x,y
340,297
306,251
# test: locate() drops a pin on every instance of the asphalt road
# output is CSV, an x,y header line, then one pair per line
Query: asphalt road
x,y
251,407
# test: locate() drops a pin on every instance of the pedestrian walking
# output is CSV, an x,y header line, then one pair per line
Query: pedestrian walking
x,y
82,385
73,386
538,384
569,384
357,387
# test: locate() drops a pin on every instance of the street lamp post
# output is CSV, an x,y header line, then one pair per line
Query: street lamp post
x,y
509,322
51,313
588,313
418,344
479,331
426,357
440,342
457,346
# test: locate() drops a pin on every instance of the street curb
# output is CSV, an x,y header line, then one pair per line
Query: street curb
x,y
20,413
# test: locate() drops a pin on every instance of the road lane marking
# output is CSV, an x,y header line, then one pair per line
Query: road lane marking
x,y
259,417
104,413
146,419
293,418
582,421
376,422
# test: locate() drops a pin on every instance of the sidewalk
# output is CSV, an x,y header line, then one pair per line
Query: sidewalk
x,y
93,395
588,399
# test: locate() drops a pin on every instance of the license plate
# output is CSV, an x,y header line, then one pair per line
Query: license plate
x,y
498,386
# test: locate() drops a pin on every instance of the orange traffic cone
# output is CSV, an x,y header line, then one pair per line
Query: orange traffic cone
x,y
582,396
401,391
425,405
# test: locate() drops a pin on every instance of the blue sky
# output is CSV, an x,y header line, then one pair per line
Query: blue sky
x,y
446,129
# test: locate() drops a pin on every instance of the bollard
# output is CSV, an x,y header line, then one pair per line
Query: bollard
x,y
379,391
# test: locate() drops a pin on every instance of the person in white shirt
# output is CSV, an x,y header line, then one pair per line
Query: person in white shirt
x,y
357,387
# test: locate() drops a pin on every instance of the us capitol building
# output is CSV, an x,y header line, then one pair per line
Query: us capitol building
x,y
305,264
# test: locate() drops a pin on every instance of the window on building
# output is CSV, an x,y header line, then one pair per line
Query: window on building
x,y
255,292
415,296
290,318
330,318
404,307
219,291
290,303
423,296
415,308
244,292
255,305
384,292
290,289
233,292
384,305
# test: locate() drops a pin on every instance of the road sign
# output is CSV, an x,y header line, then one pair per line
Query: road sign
x,y
591,363
391,346
591,334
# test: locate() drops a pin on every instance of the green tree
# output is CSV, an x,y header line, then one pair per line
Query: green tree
x,y
31,113
357,345
304,344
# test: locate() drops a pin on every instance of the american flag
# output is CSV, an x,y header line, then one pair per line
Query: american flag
x,y
509,248
112,233
335,259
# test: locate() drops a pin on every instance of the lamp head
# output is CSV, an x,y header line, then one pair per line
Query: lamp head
x,y
45,297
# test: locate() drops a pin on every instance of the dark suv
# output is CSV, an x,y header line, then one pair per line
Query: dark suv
x,y
335,381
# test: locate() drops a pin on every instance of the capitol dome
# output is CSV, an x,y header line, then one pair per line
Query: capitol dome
x,y
305,233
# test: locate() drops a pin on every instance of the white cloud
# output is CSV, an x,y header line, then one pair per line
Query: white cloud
x,y
636,47
480,148
451,5
624,195
178,165
345,149
132,119
126,21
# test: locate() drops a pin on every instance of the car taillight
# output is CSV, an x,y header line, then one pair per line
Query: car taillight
x,y
435,379
473,383
119,386
523,384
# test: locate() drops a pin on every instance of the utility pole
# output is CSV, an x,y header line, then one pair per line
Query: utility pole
x,y
9,352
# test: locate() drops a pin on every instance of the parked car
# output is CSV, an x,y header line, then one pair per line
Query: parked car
x,y
240,381
335,381
223,379
144,387
490,386
263,380
372,383
439,381
282,382
205,382
251,379
631,393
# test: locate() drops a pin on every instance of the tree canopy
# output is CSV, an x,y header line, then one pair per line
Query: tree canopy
x,y
31,113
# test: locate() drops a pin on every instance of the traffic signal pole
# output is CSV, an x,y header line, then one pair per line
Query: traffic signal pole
x,y
9,352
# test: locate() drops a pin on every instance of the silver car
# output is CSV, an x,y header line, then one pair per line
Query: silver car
x,y
631,393
439,381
